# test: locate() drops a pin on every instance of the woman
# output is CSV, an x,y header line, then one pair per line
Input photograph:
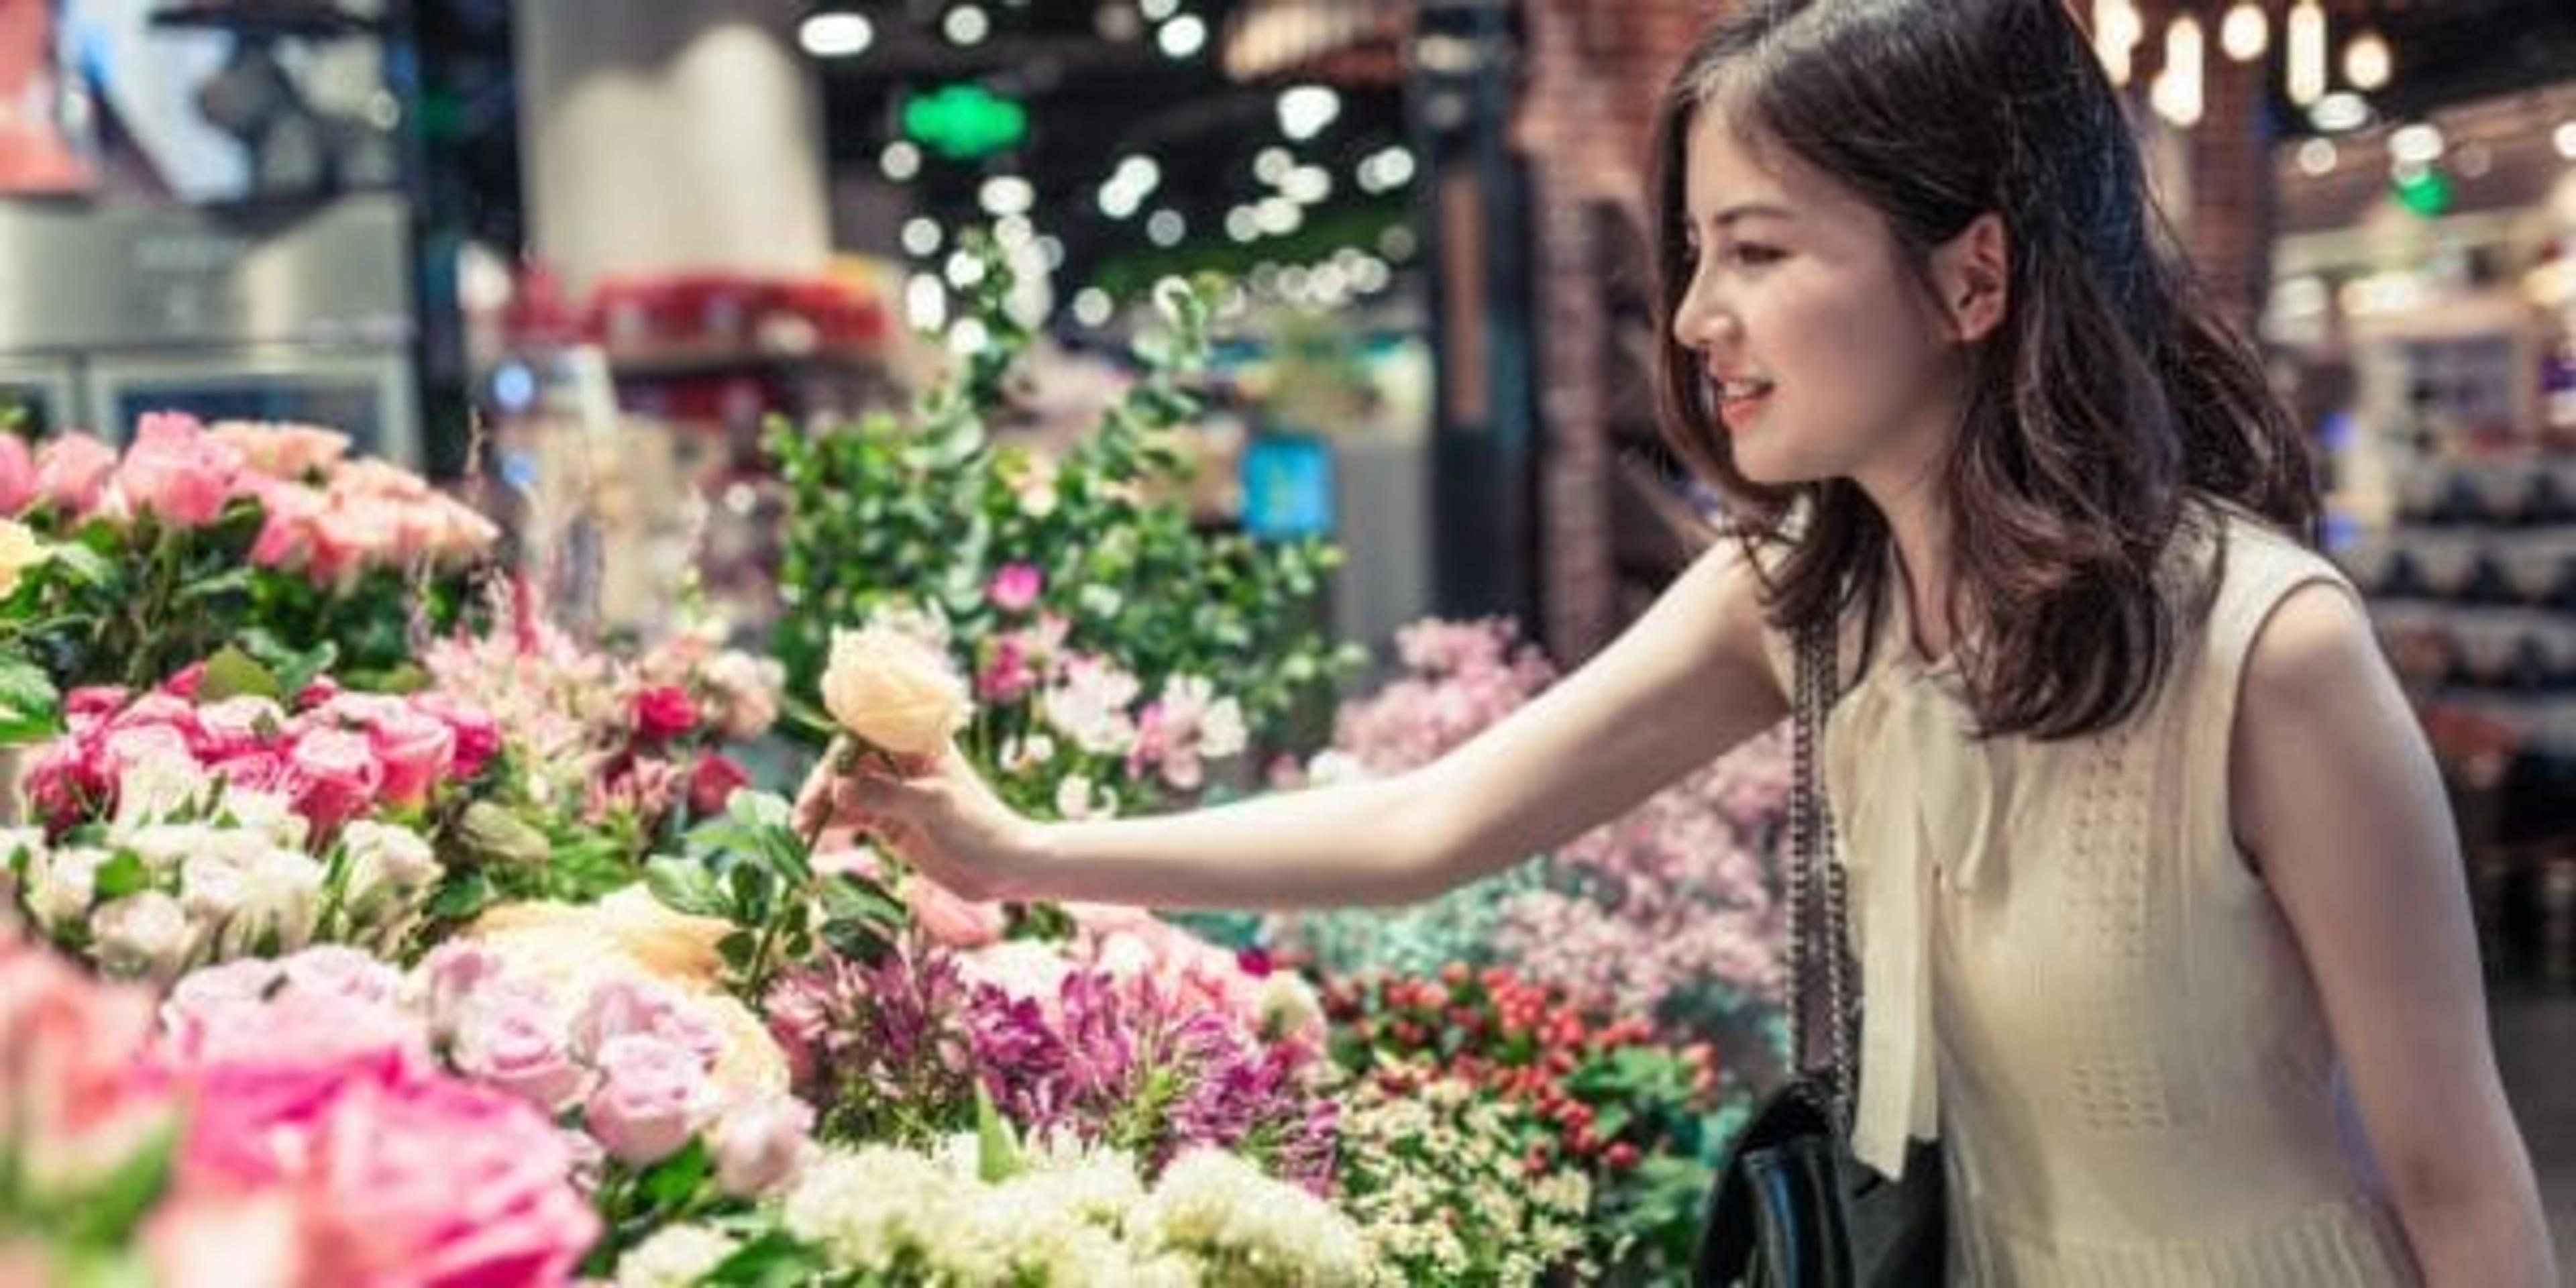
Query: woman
x,y
2152,877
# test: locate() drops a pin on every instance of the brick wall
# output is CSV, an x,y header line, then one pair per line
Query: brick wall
x,y
1595,72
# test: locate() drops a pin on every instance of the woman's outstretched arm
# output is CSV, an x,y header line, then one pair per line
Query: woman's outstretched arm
x,y
1682,686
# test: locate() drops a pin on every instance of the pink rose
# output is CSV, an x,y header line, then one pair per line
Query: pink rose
x,y
173,471
289,526
451,975
438,1181
340,773
639,1008
322,1007
1016,587
282,451
17,474
72,470
950,919
712,783
478,736
1008,677
236,727
94,700
70,1060
512,1036
761,1142
650,1100
664,711
417,751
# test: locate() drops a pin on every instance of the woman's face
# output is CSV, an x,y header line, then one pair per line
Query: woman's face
x,y
1823,357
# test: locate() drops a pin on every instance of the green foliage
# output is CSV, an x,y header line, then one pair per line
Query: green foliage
x,y
918,513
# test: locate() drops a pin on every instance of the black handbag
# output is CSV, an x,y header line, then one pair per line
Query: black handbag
x,y
1791,1207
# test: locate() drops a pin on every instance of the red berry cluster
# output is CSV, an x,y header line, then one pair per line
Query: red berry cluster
x,y
1522,1042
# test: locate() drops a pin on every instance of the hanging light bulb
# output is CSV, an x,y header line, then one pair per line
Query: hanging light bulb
x,y
2307,37
2245,33
2367,62
2116,32
2177,91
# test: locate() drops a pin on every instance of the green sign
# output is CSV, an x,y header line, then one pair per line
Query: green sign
x,y
963,122
2427,193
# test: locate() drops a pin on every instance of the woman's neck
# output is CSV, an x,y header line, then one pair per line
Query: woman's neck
x,y
1919,524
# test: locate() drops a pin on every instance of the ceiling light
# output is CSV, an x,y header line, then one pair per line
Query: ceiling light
x,y
2367,62
1006,194
1305,110
836,35
921,235
2317,157
2307,71
1166,228
1182,37
2245,33
900,160
1093,307
2417,144
966,25
2340,111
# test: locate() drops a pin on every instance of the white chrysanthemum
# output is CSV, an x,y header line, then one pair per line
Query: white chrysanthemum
x,y
1220,1206
871,1205
675,1257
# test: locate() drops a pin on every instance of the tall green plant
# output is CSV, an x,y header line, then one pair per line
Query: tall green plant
x,y
920,512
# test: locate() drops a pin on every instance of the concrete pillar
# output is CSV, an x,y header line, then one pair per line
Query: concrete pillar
x,y
670,136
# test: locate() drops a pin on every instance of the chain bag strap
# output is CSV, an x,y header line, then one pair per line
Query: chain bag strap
x,y
1791,1207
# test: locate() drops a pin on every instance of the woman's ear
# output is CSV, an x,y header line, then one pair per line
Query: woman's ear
x,y
1974,273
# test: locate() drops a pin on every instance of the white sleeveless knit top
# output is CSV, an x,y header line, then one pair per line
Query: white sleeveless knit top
x,y
2072,977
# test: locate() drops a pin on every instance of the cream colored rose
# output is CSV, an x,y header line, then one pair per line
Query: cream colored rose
x,y
891,691
20,550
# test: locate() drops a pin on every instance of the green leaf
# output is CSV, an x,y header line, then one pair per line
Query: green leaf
x,y
773,1260
684,886
736,948
851,897
860,941
121,876
460,896
111,1210
997,1154
232,673
86,566
1044,922
30,707
670,1182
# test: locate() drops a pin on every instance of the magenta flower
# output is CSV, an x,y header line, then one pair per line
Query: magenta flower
x,y
1016,587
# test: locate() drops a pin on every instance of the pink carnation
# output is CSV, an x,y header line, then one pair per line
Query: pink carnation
x,y
340,773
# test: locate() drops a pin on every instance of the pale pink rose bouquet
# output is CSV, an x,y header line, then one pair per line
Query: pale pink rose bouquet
x,y
180,828
191,539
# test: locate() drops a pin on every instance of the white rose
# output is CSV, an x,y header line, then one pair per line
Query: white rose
x,y
382,858
1221,731
890,690
61,884
279,890
142,934
153,788
269,813
164,846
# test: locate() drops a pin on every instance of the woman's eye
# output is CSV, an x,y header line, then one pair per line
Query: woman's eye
x,y
1753,255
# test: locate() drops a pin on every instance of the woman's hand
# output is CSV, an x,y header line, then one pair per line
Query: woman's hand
x,y
935,813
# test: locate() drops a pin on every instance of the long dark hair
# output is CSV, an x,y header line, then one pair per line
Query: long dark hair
x,y
2111,396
